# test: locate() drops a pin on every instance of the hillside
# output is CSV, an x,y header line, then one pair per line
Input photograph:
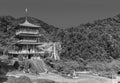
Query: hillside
x,y
98,40
91,46
96,44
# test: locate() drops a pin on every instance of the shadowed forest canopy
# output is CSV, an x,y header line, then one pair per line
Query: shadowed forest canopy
x,y
96,41
99,40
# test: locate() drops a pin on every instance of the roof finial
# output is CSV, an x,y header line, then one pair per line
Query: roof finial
x,y
26,10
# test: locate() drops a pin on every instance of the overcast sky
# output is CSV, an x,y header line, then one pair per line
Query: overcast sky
x,y
62,13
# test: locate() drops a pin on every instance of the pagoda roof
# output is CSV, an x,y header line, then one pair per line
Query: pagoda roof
x,y
28,24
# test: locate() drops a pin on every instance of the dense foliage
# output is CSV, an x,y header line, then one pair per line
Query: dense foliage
x,y
96,44
94,41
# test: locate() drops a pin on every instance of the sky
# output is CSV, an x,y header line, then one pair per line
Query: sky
x,y
62,13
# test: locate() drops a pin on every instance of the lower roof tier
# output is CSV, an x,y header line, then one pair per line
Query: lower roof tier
x,y
31,33
28,35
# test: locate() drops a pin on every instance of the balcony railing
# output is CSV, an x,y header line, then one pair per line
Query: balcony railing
x,y
26,52
27,32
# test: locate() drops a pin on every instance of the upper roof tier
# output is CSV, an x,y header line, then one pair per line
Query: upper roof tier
x,y
28,24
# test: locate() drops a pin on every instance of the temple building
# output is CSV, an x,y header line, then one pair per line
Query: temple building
x,y
31,44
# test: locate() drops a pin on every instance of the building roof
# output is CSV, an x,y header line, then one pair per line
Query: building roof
x,y
28,24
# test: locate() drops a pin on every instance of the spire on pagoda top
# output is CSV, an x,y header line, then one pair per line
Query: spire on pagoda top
x,y
27,23
26,10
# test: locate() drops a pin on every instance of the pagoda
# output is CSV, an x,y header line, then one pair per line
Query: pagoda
x,y
30,45
28,37
30,42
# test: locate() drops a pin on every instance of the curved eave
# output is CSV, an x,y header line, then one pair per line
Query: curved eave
x,y
28,24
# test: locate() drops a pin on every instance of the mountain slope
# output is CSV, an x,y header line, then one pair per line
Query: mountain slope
x,y
99,40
